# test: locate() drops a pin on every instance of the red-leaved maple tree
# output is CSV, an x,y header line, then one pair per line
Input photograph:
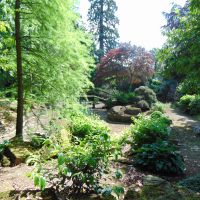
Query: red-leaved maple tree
x,y
127,64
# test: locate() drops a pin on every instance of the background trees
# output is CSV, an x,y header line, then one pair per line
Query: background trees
x,y
127,66
180,54
103,24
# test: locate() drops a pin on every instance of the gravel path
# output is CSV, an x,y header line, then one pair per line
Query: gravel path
x,y
188,140
116,129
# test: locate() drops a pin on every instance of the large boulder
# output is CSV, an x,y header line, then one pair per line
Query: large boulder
x,y
123,113
155,188
117,114
132,110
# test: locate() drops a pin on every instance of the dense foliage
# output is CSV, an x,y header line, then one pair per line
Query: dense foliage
x,y
80,161
82,125
147,94
126,66
149,129
160,157
190,104
150,143
180,54
54,49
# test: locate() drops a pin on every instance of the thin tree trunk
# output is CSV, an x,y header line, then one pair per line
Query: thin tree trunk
x,y
101,31
20,89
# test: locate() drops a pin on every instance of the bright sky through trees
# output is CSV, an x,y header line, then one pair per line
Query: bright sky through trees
x,y
140,20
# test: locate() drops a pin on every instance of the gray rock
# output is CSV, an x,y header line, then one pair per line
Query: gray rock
x,y
117,114
123,113
132,110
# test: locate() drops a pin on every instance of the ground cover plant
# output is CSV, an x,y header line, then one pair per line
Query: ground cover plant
x,y
149,129
151,146
80,161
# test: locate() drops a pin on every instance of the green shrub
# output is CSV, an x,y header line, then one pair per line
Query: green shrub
x,y
3,144
190,104
159,107
81,164
156,85
194,105
37,141
192,183
82,125
147,94
121,98
185,101
159,157
143,105
149,129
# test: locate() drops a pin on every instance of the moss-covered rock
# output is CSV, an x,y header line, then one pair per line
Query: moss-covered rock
x,y
155,188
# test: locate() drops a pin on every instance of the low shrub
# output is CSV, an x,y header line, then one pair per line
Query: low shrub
x,y
143,105
125,98
194,105
185,101
149,129
190,104
37,140
121,98
159,107
147,94
192,183
3,144
159,157
82,125
78,166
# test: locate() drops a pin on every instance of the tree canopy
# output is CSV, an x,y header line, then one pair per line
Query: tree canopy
x,y
180,54
127,64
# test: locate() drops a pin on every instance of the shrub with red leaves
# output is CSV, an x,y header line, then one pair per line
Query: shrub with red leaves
x,y
129,65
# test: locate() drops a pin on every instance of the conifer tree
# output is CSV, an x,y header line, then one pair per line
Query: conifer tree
x,y
52,49
103,24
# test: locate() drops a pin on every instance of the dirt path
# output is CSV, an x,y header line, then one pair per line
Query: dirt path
x,y
116,129
15,178
188,140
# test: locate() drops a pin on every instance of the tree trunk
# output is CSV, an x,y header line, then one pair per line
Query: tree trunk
x,y
20,89
101,31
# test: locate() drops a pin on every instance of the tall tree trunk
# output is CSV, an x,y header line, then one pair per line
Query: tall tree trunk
x,y
101,31
20,89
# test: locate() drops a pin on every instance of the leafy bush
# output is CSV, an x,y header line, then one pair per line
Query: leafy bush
x,y
159,157
143,105
159,107
190,104
37,140
81,164
125,98
149,129
147,94
194,106
121,98
192,183
82,125
155,85
3,144
185,102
